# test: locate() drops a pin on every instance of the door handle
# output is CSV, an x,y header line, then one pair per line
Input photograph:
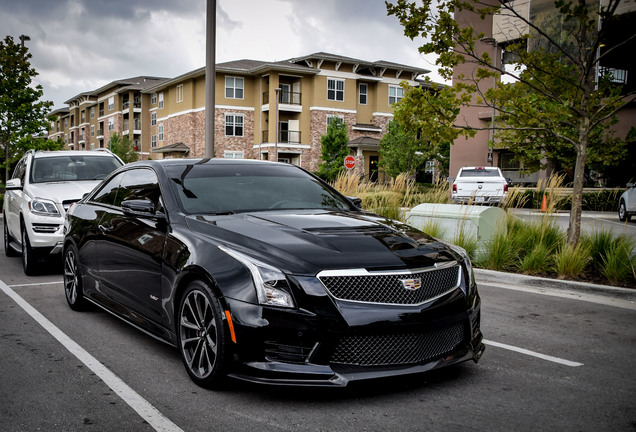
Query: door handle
x,y
104,229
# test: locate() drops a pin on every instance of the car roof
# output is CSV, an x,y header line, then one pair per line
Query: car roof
x,y
52,153
207,161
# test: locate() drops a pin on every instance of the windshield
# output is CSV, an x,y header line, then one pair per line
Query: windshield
x,y
72,168
479,172
231,188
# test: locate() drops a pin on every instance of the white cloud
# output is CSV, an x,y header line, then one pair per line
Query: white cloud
x,y
80,45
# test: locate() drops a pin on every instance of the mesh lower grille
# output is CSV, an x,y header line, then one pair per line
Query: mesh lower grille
x,y
390,288
398,349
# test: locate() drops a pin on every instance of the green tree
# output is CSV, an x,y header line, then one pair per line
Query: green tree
x,y
22,114
421,130
123,147
333,150
556,97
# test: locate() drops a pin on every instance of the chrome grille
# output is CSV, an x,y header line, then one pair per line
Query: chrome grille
x,y
398,349
389,288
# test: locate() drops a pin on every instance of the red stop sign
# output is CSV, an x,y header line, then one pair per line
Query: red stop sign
x,y
350,162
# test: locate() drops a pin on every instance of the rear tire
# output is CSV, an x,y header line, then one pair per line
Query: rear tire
x,y
202,338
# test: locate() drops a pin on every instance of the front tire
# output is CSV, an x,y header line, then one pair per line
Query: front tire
x,y
28,255
73,288
202,339
622,212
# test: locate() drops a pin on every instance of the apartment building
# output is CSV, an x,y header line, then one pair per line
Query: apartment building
x,y
91,118
263,110
502,29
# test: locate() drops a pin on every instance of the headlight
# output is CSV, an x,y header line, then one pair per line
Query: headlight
x,y
267,279
43,207
469,265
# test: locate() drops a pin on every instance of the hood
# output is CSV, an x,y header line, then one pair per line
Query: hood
x,y
309,241
62,191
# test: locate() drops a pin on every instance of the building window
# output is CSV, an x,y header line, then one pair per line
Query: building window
x,y
233,155
153,141
180,93
160,130
65,123
92,130
234,87
395,94
153,98
335,89
338,118
233,125
160,100
153,119
364,91
111,123
92,112
111,103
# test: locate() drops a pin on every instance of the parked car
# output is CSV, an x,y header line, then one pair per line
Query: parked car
x,y
43,186
627,203
261,271
479,185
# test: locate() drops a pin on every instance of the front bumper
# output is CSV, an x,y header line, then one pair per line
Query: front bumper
x,y
45,232
336,347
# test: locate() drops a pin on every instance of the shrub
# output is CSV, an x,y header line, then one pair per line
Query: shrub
x,y
619,263
500,254
571,262
537,261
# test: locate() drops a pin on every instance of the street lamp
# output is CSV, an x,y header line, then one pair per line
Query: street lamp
x,y
492,41
277,90
24,38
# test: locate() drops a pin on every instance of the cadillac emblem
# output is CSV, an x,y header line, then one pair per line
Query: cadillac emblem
x,y
412,284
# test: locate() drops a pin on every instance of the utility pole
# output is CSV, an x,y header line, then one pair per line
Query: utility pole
x,y
210,76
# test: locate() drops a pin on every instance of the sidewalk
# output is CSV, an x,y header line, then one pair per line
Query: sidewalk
x,y
565,288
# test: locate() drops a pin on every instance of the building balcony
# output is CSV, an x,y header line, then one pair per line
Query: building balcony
x,y
287,101
284,137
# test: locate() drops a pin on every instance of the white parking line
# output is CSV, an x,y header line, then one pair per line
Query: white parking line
x,y
533,354
36,284
148,412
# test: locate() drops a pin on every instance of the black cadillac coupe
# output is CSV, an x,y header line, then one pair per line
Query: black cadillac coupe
x,y
261,271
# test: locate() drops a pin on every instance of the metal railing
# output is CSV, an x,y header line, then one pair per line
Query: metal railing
x,y
285,137
284,97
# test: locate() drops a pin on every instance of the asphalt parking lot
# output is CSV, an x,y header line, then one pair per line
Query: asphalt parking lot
x,y
560,356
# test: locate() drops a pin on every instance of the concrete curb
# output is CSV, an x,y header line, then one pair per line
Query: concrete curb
x,y
490,276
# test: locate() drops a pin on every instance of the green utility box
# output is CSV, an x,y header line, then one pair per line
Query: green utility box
x,y
447,221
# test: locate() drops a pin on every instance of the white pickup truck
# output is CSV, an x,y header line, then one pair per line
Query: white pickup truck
x,y
479,185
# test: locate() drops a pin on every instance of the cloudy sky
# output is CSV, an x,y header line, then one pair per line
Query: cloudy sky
x,y
80,45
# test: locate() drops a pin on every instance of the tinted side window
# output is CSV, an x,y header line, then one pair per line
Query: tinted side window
x,y
139,184
19,170
108,192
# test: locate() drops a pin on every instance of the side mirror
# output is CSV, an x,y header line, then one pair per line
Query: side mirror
x,y
141,208
355,201
14,184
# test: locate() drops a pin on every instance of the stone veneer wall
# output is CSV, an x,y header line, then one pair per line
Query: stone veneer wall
x,y
190,129
244,144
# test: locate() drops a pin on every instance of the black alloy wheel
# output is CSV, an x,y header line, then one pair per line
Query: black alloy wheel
x,y
8,250
202,336
73,281
28,255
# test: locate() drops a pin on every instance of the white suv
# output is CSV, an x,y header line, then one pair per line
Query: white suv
x,y
44,185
